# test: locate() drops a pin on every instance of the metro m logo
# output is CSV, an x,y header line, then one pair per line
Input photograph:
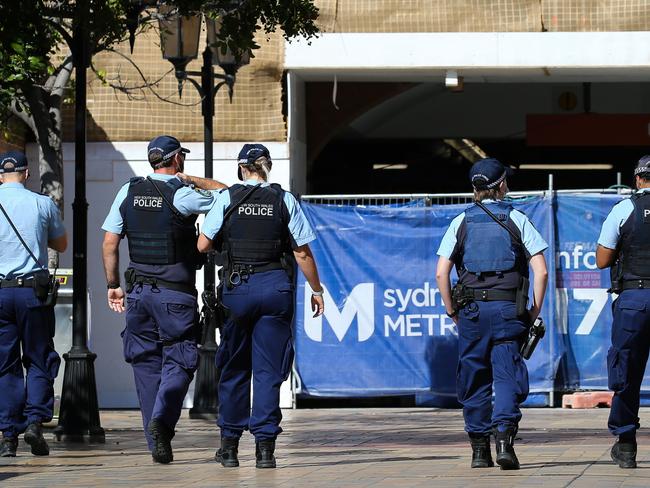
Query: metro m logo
x,y
360,302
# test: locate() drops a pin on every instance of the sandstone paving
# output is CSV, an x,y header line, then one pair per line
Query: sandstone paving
x,y
356,448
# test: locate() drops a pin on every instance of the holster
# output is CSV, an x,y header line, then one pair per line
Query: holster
x,y
521,300
46,287
535,333
616,277
129,278
460,297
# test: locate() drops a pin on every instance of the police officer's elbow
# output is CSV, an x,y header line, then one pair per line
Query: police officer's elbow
x,y
60,244
203,244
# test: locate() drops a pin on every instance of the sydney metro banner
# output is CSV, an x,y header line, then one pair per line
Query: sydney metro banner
x,y
385,330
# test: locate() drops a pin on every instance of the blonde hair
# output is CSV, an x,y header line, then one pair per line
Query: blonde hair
x,y
259,167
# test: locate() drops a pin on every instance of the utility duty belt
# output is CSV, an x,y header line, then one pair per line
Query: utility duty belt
x,y
634,284
492,295
132,278
18,283
241,272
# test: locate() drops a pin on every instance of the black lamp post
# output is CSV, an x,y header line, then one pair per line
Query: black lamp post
x,y
180,41
79,411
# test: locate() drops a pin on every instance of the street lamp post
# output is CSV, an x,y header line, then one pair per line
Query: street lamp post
x,y
79,411
179,39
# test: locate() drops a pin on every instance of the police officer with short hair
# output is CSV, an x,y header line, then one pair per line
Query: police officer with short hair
x,y
492,265
157,214
26,319
259,229
624,245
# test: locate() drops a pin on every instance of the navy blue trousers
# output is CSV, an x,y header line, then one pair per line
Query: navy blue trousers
x,y
25,323
627,358
256,340
160,343
488,334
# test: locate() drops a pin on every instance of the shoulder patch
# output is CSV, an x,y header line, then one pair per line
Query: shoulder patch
x,y
203,193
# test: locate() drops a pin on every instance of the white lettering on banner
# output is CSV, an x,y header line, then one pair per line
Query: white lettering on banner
x,y
256,209
360,303
599,299
577,258
419,297
410,325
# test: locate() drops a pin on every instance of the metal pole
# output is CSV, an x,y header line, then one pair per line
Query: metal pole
x,y
79,413
619,179
207,376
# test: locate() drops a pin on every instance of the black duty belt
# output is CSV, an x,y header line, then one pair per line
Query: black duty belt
x,y
241,271
170,285
492,295
635,284
17,283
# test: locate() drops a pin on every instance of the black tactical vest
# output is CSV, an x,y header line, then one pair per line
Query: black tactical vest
x,y
634,243
488,256
162,242
257,231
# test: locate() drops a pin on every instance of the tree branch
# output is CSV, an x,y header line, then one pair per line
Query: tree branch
x,y
148,85
63,76
22,114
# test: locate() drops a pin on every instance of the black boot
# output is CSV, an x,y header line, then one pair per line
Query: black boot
x,y
264,454
162,442
34,437
481,453
506,457
624,453
227,453
8,446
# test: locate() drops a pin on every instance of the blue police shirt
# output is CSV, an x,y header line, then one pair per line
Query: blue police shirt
x,y
38,221
187,200
299,227
611,230
533,241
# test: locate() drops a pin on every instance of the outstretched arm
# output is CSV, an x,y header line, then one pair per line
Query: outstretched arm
x,y
202,183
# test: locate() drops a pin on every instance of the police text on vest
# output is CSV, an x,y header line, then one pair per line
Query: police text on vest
x,y
256,209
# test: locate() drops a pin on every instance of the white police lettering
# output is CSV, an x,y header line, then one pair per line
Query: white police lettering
x,y
646,213
147,202
256,209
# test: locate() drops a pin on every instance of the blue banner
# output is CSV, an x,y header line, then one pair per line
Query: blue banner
x,y
385,331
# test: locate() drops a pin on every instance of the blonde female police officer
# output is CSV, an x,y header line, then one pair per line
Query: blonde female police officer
x,y
259,229
157,215
490,264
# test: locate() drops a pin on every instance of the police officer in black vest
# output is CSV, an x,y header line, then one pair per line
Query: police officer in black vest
x,y
624,245
157,214
259,230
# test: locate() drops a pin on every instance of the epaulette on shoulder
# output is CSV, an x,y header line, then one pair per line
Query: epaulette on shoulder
x,y
135,179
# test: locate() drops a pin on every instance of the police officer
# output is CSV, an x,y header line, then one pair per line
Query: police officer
x,y
26,321
624,245
492,265
259,229
157,214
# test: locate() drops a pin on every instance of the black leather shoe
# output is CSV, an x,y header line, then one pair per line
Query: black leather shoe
x,y
506,457
34,437
8,446
481,453
624,453
227,453
264,457
162,437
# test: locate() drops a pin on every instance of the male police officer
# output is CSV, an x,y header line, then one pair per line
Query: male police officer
x,y
26,321
624,244
492,266
157,214
259,229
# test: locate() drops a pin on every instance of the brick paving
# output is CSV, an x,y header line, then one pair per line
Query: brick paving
x,y
343,448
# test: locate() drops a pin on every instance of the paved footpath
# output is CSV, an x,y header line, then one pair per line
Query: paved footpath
x,y
343,448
